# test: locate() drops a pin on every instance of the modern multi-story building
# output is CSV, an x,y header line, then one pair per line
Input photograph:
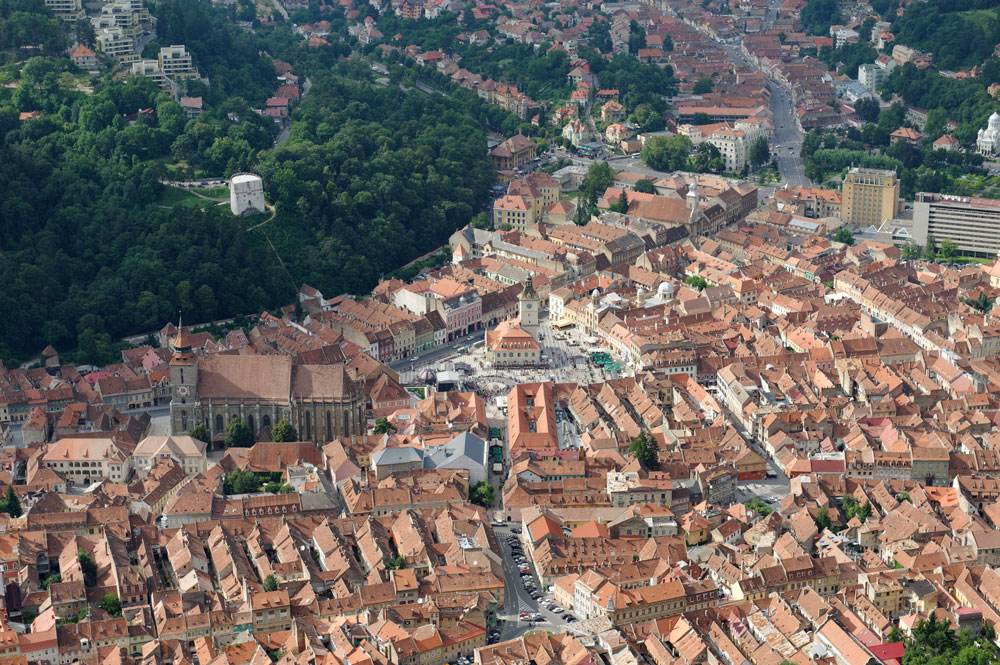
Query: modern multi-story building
x,y
869,196
68,10
871,75
121,15
972,224
151,70
176,62
115,44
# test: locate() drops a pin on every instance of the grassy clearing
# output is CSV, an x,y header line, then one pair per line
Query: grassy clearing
x,y
217,192
979,17
174,197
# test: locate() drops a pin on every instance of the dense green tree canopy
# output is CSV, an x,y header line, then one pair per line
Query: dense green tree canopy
x,y
371,178
10,504
666,153
283,431
26,23
238,434
958,34
644,449
111,604
383,426
818,15
482,494
201,433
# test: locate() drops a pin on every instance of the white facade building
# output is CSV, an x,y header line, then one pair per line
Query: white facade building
x,y
988,140
246,194
871,75
176,62
113,43
735,144
185,450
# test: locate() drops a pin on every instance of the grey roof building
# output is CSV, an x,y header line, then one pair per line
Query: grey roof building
x,y
465,451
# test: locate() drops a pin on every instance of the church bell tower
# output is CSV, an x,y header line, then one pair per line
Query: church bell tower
x,y
183,383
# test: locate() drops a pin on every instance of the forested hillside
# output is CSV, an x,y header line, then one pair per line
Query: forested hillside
x,y
29,23
958,33
373,177
86,247
93,248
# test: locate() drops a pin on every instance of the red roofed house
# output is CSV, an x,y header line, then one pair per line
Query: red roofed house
x,y
277,108
289,92
947,142
911,136
542,527
192,106
83,57
531,418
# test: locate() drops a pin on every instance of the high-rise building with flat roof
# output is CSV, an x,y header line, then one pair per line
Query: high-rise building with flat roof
x,y
971,223
869,196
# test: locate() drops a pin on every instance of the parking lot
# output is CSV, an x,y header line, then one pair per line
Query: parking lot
x,y
526,606
770,491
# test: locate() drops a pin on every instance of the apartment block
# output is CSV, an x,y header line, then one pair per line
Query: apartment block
x,y
869,196
115,44
67,10
971,223
735,143
176,62
151,70
871,75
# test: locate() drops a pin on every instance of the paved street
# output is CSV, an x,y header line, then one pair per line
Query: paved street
x,y
787,138
286,131
786,130
517,598
435,357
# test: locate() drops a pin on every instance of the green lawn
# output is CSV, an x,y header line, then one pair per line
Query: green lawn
x,y
979,17
174,197
217,192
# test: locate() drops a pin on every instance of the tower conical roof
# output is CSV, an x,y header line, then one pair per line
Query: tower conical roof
x,y
528,292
